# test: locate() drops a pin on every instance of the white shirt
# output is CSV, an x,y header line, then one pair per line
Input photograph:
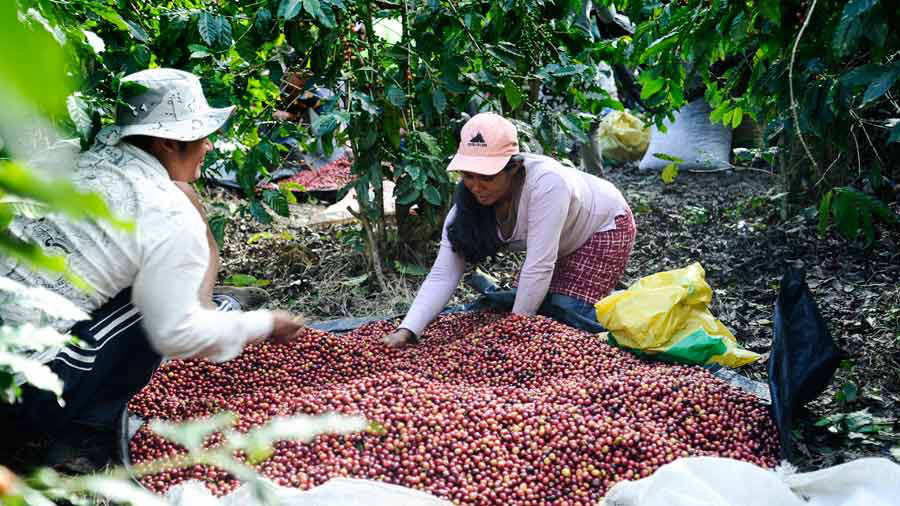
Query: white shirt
x,y
560,208
163,261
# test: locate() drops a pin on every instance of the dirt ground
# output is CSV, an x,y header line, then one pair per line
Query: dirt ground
x,y
727,221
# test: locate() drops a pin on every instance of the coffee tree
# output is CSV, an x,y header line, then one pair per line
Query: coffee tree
x,y
398,98
819,76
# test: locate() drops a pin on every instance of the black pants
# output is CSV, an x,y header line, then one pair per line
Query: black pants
x,y
111,363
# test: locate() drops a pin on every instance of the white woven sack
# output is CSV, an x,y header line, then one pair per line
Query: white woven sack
x,y
334,492
692,138
713,481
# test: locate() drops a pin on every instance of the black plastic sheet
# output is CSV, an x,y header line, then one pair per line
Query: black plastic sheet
x,y
803,357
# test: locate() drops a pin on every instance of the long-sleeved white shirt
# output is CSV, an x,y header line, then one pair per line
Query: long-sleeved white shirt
x,y
560,208
163,261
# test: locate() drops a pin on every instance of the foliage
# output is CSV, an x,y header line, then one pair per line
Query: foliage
x,y
748,60
397,96
46,485
854,213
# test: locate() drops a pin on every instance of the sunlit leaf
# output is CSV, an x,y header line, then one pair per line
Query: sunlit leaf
x,y
513,93
42,299
214,29
61,195
34,372
36,73
79,113
396,96
669,173
880,86
118,490
191,434
288,9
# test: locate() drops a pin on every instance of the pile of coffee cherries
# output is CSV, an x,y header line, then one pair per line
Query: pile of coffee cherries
x,y
332,176
487,409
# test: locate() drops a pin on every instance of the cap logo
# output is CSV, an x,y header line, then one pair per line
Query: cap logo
x,y
478,141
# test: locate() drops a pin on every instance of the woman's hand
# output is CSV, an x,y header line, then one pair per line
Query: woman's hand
x,y
398,338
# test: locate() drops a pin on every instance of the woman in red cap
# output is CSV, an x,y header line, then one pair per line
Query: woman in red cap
x,y
577,230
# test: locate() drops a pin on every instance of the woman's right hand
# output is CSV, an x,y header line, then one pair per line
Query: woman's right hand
x,y
398,338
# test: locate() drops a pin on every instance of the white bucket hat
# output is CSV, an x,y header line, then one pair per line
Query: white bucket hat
x,y
171,105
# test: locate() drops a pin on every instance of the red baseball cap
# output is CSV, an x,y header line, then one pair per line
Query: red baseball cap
x,y
486,143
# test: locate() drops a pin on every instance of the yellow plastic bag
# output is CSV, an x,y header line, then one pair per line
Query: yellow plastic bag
x,y
665,315
622,136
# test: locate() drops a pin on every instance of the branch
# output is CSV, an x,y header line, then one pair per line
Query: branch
x,y
812,6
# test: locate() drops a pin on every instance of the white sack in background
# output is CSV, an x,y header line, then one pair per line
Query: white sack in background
x,y
691,138
334,492
712,481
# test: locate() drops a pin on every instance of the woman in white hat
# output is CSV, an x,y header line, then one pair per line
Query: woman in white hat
x,y
577,229
150,289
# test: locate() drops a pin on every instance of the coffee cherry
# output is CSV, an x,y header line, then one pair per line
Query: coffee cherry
x,y
487,409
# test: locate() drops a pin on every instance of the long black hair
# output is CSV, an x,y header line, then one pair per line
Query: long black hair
x,y
473,231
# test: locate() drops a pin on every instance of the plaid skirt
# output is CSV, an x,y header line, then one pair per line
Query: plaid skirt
x,y
593,270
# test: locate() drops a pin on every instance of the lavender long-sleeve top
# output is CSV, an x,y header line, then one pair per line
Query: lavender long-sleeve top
x,y
560,208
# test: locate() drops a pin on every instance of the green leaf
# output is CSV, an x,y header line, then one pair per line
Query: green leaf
x,y
217,224
846,213
288,9
192,434
881,85
668,158
391,124
323,15
214,29
737,117
137,31
80,114
367,103
659,45
242,280
32,68
669,173
42,299
439,100
513,93
410,269
34,372
718,113
430,143
864,74
432,196
651,87
771,9
850,27
259,212
276,200
119,491
60,195
855,8
326,124
408,198
396,96
825,212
